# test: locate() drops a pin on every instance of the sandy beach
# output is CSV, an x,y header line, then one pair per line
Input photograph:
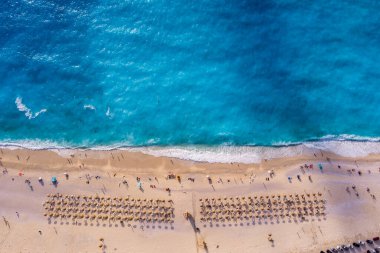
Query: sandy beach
x,y
351,210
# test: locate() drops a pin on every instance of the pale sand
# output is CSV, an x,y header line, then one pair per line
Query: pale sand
x,y
348,217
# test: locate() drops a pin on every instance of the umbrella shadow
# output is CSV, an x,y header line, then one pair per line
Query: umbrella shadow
x,y
192,222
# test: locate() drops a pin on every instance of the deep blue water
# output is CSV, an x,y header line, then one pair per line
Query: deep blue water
x,y
188,72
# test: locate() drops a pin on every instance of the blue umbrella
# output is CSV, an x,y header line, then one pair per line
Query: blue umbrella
x,y
54,180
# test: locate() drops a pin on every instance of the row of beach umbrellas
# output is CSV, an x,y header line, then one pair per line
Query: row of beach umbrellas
x,y
107,208
225,208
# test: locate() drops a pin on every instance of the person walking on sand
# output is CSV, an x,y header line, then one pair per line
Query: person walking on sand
x,y
6,222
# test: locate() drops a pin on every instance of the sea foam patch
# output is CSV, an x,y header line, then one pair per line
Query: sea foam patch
x,y
28,112
89,107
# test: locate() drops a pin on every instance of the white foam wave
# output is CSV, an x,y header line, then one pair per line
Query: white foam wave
x,y
347,148
354,147
89,107
225,154
32,144
28,112
349,137
38,144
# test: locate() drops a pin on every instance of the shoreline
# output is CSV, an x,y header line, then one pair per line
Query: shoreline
x,y
222,153
140,162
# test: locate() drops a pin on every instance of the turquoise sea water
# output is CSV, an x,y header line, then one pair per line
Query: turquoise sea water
x,y
177,73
